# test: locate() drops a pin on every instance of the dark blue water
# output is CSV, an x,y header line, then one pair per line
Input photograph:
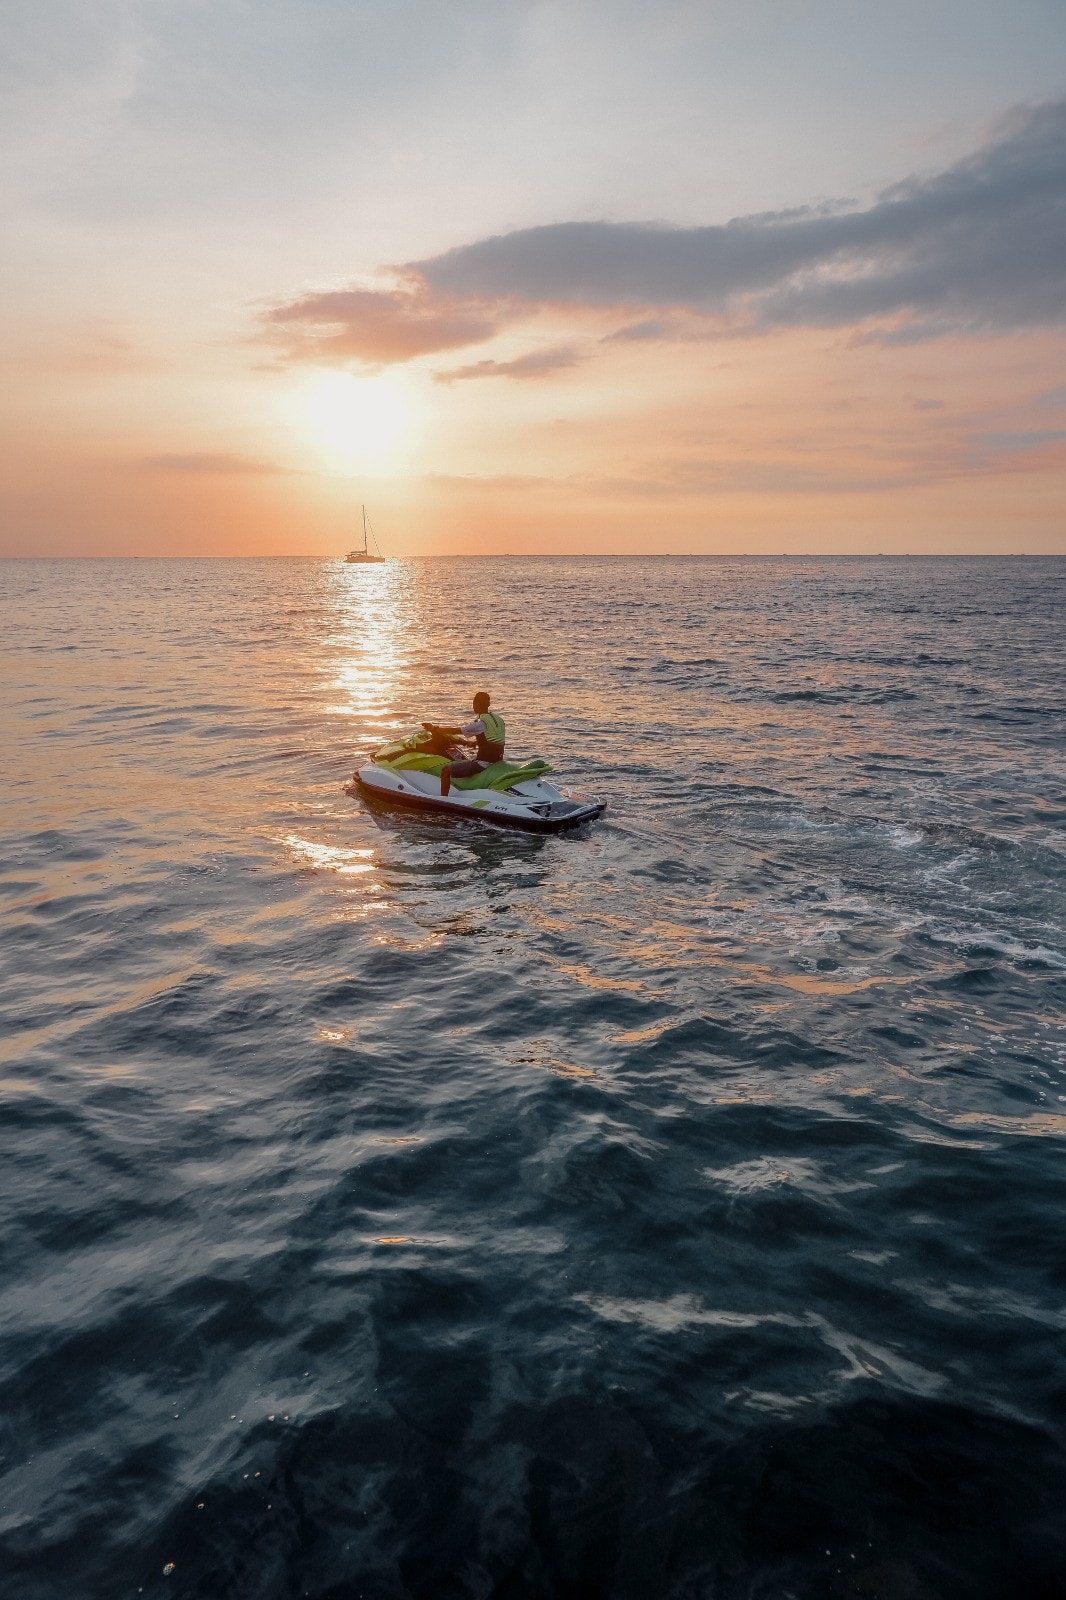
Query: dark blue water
x,y
395,1208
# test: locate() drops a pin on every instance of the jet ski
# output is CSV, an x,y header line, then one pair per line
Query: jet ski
x,y
517,794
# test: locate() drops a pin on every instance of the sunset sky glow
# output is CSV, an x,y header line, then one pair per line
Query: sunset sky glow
x,y
532,276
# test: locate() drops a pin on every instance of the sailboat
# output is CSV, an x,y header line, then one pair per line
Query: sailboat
x,y
363,556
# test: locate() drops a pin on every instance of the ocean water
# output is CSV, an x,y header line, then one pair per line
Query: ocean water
x,y
399,1208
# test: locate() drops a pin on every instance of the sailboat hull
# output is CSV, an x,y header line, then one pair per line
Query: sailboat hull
x,y
363,558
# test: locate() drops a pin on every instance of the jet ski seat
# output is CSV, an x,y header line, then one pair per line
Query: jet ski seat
x,y
500,775
504,774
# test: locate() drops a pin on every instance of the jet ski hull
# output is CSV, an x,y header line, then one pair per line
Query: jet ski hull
x,y
535,807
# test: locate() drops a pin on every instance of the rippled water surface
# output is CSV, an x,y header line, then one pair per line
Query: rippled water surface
x,y
398,1207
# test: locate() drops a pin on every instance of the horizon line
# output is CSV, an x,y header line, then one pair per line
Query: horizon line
x,y
584,555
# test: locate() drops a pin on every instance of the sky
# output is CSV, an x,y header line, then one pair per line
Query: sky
x,y
780,276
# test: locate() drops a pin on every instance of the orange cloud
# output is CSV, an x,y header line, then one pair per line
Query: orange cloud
x,y
201,461
537,364
382,326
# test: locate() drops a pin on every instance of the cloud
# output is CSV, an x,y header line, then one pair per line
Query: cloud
x,y
537,364
652,328
980,246
1050,399
942,457
679,325
977,248
207,462
1013,442
381,325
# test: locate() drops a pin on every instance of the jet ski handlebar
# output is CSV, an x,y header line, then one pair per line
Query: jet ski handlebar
x,y
442,741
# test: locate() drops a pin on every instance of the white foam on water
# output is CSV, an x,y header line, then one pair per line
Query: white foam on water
x,y
1004,944
904,838
948,869
823,918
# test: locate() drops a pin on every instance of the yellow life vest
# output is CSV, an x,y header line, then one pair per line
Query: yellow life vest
x,y
493,726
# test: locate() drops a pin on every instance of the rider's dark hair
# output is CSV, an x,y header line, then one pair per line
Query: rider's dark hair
x,y
481,701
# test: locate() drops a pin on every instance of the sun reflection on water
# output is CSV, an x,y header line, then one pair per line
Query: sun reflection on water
x,y
354,871
330,858
368,655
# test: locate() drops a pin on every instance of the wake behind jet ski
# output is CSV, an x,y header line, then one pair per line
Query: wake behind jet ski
x,y
425,771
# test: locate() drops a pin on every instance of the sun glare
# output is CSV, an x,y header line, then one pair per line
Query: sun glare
x,y
357,424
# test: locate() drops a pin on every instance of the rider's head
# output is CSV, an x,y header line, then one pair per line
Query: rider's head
x,y
481,702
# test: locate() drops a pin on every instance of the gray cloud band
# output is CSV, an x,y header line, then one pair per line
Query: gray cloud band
x,y
983,243
979,247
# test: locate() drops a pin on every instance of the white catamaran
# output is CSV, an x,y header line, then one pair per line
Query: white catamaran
x,y
363,556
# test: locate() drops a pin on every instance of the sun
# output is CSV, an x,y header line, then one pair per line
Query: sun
x,y
358,424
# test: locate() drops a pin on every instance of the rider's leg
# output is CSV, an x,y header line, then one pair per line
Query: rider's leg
x,y
458,769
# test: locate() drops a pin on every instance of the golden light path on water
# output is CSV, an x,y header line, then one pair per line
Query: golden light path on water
x,y
368,638
331,858
363,662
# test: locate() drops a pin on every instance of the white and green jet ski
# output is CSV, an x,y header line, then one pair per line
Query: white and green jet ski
x,y
407,773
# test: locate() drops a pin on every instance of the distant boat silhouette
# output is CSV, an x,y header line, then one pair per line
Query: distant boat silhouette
x,y
363,556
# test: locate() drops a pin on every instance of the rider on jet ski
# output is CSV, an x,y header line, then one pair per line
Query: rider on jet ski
x,y
487,732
